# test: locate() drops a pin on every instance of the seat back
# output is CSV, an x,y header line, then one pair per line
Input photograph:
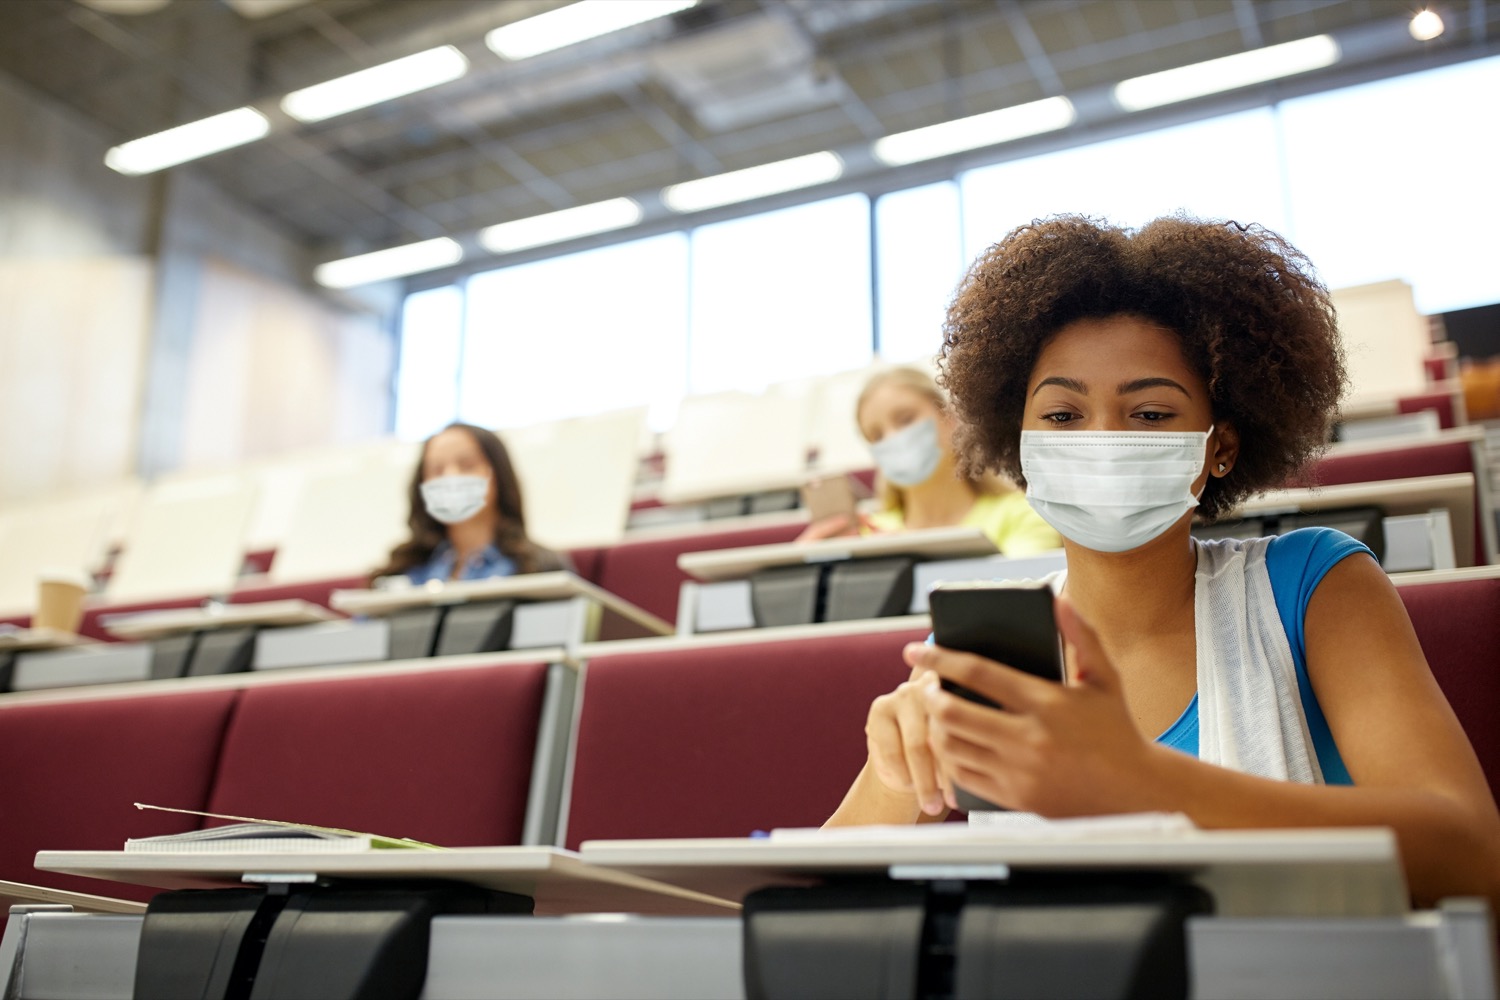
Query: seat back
x,y
709,740
1458,624
1439,458
314,591
74,768
644,571
442,756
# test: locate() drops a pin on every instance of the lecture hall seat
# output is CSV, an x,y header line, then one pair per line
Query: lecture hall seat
x,y
1445,404
74,768
644,571
442,756
314,591
721,739
1458,625
1405,462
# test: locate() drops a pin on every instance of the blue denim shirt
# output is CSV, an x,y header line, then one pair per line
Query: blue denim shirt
x,y
487,562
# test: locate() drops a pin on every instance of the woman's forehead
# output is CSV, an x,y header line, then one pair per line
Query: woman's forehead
x,y
1112,350
452,443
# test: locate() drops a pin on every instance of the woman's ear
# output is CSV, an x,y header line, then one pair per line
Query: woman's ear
x,y
1226,449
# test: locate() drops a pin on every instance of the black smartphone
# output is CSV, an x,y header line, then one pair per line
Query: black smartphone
x,y
1010,622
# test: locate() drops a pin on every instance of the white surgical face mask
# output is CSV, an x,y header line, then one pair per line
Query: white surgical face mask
x,y
909,457
455,499
1112,491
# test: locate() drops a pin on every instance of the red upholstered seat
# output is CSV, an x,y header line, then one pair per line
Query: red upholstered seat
x,y
723,740
1445,404
586,562
441,756
644,572
1458,625
92,627
315,591
1409,462
73,770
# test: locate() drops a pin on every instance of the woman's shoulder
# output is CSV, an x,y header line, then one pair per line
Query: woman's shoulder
x,y
1312,551
1015,527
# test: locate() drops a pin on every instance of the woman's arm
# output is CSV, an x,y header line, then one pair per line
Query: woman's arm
x,y
1074,750
899,783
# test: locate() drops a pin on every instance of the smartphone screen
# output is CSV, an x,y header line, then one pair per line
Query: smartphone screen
x,y
1011,623
826,497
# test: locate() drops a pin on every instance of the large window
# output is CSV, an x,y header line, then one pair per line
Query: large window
x,y
1393,179
1397,179
1221,168
780,296
919,260
427,382
583,333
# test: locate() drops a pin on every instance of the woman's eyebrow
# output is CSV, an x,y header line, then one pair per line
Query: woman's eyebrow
x,y
1137,385
1066,383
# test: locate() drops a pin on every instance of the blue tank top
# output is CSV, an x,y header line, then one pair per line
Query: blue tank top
x,y
1296,563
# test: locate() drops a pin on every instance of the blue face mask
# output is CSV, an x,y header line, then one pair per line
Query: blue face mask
x,y
910,456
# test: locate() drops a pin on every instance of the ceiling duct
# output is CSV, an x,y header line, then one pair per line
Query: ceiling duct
x,y
745,71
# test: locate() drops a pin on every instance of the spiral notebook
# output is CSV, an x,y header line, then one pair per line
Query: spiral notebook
x,y
261,836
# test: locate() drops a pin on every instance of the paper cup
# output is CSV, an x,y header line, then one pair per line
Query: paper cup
x,y
59,600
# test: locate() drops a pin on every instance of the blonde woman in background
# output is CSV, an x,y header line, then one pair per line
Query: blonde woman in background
x,y
905,417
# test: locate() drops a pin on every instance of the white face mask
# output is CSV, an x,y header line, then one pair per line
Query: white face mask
x,y
455,499
909,457
1112,491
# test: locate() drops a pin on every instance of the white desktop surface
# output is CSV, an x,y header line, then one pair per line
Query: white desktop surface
x,y
1313,872
557,879
40,638
151,624
1395,496
20,893
557,586
931,543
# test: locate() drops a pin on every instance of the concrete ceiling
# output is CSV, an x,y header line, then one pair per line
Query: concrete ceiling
x,y
729,84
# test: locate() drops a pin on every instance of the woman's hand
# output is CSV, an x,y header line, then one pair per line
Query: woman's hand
x,y
833,526
839,526
896,735
1055,749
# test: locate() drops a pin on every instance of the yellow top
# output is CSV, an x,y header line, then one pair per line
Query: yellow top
x,y
1006,518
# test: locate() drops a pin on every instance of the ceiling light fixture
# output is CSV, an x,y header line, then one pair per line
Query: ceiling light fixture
x,y
375,85
554,227
187,142
988,129
1425,25
1227,73
382,265
576,23
753,182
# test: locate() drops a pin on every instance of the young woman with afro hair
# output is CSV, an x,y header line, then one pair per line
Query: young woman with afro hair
x,y
1131,379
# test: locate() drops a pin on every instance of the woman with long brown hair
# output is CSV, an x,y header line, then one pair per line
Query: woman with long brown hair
x,y
467,520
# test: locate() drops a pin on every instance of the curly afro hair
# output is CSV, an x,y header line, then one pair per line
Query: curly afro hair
x,y
1254,320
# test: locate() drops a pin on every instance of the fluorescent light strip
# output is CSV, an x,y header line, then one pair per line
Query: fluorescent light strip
x,y
1228,73
576,23
385,82
554,227
753,182
187,142
988,129
383,265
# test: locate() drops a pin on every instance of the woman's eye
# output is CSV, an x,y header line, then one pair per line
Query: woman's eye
x,y
1152,416
1058,418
